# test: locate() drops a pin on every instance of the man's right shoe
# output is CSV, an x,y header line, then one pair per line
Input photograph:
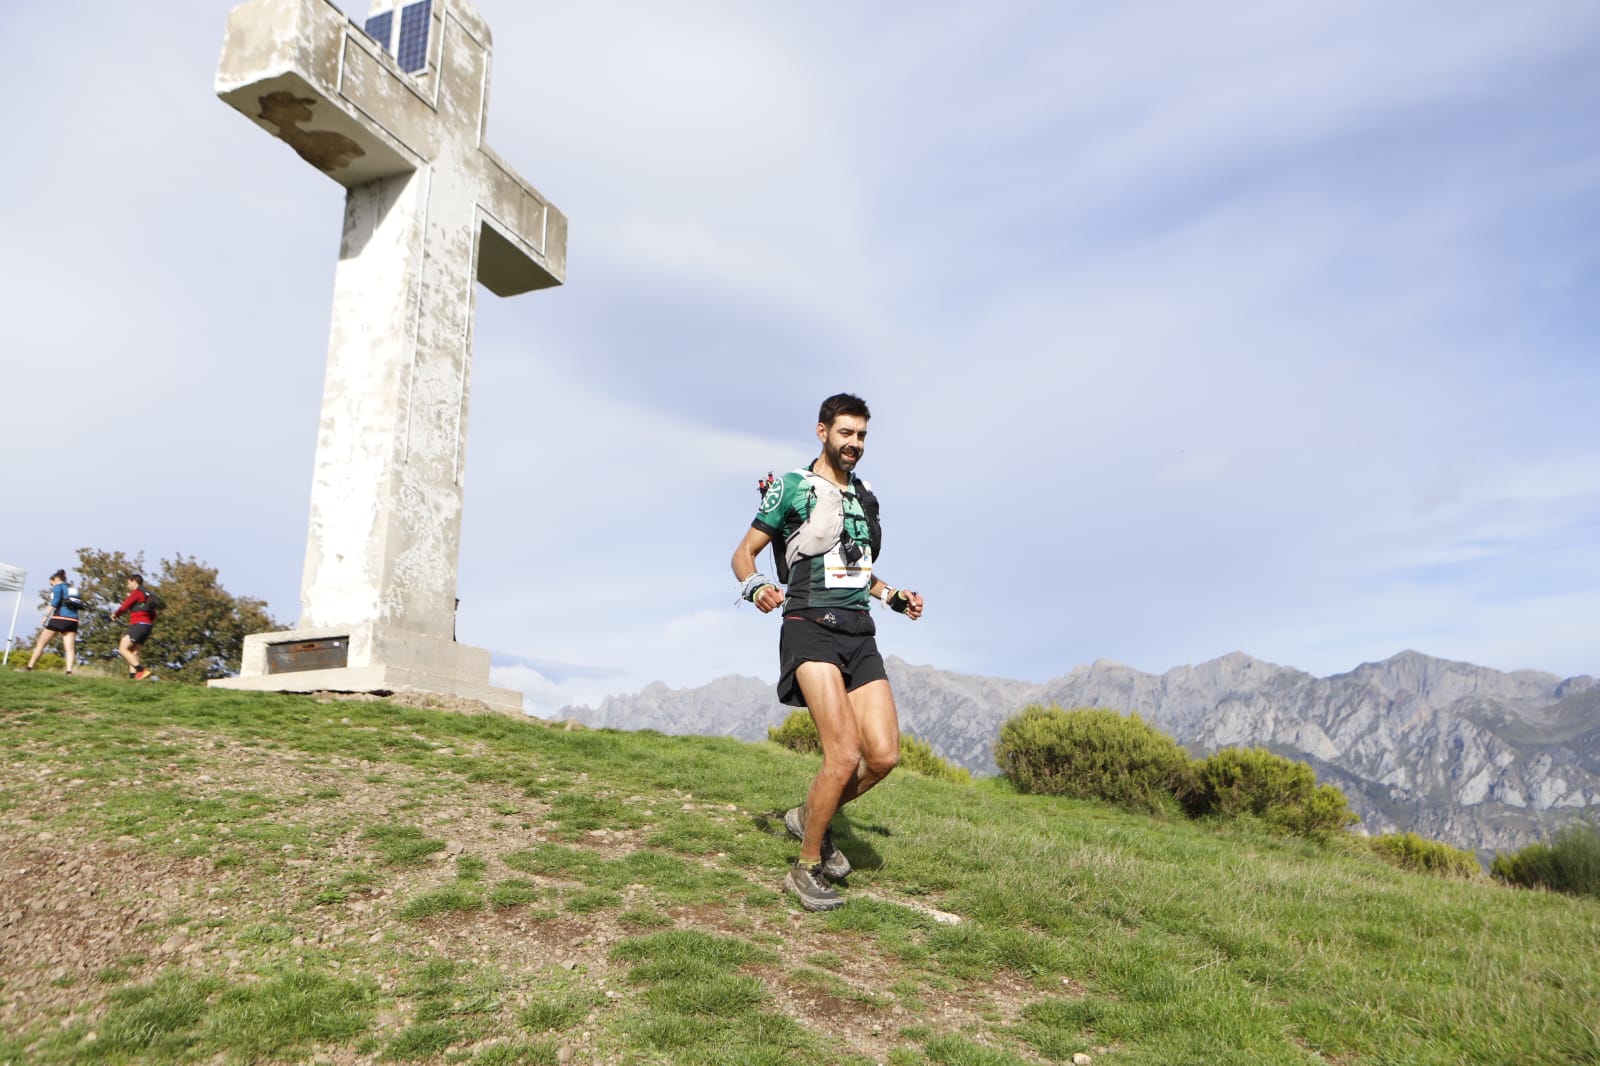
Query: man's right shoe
x,y
808,885
142,674
834,865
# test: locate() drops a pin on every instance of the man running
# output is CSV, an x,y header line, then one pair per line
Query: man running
x,y
822,521
141,619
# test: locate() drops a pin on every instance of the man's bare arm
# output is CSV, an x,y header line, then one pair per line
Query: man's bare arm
x,y
744,565
744,556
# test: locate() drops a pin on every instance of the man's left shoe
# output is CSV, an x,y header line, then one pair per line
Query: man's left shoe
x,y
834,865
141,675
811,889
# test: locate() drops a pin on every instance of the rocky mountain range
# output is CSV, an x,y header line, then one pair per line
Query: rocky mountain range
x,y
1478,758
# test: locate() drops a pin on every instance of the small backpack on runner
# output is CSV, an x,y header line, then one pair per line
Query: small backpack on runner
x,y
74,600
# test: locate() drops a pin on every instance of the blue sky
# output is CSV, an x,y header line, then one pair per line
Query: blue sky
x,y
1261,327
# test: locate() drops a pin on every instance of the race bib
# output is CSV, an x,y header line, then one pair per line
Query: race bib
x,y
839,574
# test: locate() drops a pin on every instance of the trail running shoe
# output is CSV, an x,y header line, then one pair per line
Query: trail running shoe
x,y
834,865
141,675
810,887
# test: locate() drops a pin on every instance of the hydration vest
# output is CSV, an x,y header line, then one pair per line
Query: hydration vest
x,y
823,528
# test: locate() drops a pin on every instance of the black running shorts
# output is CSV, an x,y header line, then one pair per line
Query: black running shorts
x,y
138,633
62,625
805,641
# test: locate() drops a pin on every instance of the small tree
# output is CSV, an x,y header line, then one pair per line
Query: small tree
x,y
797,733
1412,852
198,637
1278,790
918,756
1569,862
1093,753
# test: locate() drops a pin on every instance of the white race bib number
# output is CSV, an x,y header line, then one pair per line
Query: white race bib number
x,y
843,575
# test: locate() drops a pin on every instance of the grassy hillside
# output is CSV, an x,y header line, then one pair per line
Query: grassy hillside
x,y
198,876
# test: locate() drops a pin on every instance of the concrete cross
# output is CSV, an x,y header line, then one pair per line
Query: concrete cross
x,y
396,113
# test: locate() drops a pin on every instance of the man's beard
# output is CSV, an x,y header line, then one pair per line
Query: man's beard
x,y
840,462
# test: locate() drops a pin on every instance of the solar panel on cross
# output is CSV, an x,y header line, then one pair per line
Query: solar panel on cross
x,y
410,45
412,50
379,27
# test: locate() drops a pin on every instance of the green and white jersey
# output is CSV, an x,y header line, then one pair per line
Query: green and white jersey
x,y
825,537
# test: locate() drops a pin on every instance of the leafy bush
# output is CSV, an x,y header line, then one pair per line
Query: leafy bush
x,y
1278,790
799,733
1412,852
1093,754
918,755
1569,863
1327,811
50,662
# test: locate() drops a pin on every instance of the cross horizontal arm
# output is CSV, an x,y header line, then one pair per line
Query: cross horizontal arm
x,y
523,241
305,73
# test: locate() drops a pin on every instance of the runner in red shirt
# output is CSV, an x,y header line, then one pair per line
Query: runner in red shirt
x,y
141,618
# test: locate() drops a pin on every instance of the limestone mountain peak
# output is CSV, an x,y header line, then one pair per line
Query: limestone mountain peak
x,y
1462,753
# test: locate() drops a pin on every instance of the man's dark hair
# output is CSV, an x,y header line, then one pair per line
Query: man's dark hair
x,y
60,575
843,403
137,579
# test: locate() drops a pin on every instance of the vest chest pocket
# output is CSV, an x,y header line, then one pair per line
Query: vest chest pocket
x,y
841,573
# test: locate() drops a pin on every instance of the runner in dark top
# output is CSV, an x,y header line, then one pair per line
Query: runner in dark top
x,y
821,520
62,620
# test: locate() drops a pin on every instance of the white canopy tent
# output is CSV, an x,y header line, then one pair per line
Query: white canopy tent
x,y
12,578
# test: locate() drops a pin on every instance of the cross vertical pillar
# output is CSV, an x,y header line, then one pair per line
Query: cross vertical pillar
x,y
430,210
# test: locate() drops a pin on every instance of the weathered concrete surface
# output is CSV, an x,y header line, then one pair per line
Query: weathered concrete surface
x,y
381,659
430,210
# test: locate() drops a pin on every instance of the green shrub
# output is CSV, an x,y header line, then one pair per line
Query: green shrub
x,y
1569,863
918,756
1412,852
50,662
1329,811
1093,754
799,733
1280,791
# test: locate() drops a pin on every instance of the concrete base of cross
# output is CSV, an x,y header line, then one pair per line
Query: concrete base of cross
x,y
380,658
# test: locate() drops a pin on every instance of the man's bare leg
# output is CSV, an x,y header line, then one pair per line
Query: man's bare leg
x,y
860,745
126,649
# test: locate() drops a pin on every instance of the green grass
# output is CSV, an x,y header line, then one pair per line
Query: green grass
x,y
181,1016
619,892
400,844
558,1010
